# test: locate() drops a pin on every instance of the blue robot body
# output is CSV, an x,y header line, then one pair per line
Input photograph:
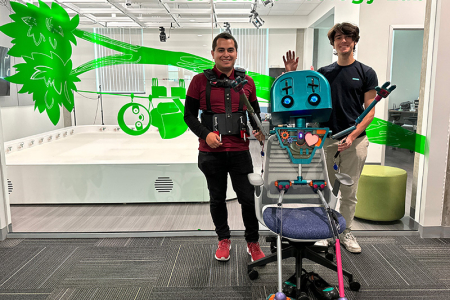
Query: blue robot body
x,y
298,98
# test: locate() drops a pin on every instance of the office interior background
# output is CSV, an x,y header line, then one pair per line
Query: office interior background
x,y
85,176
90,212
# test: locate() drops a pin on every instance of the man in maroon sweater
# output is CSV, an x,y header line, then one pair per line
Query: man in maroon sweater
x,y
223,150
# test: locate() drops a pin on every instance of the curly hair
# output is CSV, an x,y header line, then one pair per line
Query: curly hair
x,y
346,29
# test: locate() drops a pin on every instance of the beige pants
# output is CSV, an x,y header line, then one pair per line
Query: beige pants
x,y
350,162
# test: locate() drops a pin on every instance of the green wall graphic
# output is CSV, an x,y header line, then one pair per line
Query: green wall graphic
x,y
43,36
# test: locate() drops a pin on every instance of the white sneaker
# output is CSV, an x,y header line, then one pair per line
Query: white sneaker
x,y
349,241
321,243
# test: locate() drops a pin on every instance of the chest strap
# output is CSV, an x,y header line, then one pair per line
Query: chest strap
x,y
212,80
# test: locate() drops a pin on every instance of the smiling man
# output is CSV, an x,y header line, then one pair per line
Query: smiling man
x,y
352,89
224,144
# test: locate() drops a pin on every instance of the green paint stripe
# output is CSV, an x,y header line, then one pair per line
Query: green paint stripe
x,y
387,133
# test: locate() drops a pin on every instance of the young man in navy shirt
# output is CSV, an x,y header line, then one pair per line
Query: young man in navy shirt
x,y
352,89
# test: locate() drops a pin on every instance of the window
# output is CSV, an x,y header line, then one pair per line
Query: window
x,y
120,78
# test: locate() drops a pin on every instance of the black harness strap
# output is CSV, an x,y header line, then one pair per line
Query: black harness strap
x,y
208,97
212,80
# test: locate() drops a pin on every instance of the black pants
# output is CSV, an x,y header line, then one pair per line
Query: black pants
x,y
216,167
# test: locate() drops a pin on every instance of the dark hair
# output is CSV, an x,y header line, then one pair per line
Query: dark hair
x,y
224,35
344,28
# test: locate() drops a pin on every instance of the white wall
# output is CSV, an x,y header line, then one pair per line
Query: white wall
x,y
5,211
280,41
23,121
436,124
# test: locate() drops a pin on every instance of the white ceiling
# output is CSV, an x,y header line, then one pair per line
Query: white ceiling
x,y
181,13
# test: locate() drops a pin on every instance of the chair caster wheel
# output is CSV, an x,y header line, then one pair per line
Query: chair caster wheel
x,y
355,286
289,290
329,256
273,249
303,296
252,274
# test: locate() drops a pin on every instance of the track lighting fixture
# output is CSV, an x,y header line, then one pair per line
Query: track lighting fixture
x,y
227,27
162,34
255,19
268,3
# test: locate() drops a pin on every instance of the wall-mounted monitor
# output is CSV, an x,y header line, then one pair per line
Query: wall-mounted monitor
x,y
5,71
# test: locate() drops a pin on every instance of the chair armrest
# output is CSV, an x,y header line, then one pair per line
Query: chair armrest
x,y
344,179
255,179
341,178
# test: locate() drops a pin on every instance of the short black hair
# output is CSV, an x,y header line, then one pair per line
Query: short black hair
x,y
224,35
345,28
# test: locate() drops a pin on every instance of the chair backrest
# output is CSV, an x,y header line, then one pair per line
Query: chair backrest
x,y
279,167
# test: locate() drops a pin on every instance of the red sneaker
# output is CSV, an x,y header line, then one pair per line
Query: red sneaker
x,y
223,250
255,251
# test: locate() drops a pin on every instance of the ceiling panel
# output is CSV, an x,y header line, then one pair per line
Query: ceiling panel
x,y
154,13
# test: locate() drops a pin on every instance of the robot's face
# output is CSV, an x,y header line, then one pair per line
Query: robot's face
x,y
134,119
300,95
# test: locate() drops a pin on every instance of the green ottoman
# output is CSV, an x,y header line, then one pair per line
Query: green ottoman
x,y
381,193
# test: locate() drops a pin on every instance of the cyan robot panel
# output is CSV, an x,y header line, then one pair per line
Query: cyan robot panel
x,y
297,98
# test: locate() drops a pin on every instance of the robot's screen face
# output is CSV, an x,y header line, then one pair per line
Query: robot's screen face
x,y
300,94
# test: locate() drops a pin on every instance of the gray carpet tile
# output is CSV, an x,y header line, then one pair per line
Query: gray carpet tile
x,y
184,268
60,242
113,267
40,270
23,295
10,243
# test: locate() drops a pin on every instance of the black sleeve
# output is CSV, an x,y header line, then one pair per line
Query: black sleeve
x,y
191,108
257,110
372,80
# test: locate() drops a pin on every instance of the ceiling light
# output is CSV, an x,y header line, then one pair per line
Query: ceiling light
x,y
255,19
192,20
199,35
227,27
268,3
162,34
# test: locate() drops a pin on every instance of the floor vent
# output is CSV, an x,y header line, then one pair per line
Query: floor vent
x,y
164,184
10,186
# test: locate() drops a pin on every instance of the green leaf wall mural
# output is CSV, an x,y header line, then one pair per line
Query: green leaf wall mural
x,y
44,35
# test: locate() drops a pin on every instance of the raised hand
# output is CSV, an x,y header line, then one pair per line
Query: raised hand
x,y
290,61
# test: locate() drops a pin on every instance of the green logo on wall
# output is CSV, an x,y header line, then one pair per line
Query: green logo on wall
x,y
361,1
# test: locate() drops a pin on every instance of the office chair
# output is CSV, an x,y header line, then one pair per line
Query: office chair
x,y
295,167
